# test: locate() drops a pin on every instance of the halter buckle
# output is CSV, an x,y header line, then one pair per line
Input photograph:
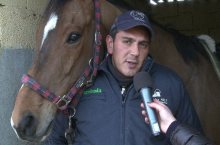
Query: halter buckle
x,y
63,102
98,38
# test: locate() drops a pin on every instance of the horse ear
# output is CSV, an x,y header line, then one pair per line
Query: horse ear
x,y
109,44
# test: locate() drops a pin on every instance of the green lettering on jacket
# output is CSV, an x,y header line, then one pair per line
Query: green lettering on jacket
x,y
92,91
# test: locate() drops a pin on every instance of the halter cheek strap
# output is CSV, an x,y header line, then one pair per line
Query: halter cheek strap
x,y
85,79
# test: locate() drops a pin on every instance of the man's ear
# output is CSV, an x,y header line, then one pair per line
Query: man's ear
x,y
109,44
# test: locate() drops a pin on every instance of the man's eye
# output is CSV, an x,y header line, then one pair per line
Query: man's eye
x,y
143,45
127,42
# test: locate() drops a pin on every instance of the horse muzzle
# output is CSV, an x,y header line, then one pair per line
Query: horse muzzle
x,y
27,129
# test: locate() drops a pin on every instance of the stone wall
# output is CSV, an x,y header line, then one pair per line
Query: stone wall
x,y
18,21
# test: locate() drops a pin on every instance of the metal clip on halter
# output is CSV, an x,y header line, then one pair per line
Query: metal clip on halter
x,y
63,102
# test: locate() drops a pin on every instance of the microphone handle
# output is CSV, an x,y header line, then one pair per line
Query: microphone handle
x,y
147,98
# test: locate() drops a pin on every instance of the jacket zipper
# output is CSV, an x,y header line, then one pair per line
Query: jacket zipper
x,y
124,93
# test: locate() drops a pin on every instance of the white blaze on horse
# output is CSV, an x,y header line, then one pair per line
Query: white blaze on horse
x,y
65,40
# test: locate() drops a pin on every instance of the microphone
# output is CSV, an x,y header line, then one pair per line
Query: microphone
x,y
143,84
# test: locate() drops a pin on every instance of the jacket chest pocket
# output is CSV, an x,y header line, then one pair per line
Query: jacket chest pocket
x,y
91,107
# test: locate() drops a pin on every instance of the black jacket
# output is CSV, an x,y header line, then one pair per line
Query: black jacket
x,y
185,135
105,116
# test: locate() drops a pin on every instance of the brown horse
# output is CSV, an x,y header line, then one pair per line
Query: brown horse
x,y
64,48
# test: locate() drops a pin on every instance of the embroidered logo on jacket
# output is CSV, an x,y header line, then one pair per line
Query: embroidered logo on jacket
x,y
93,91
158,95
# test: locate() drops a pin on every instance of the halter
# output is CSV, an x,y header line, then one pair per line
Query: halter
x,y
86,79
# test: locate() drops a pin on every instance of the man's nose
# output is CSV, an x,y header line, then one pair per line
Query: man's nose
x,y
135,50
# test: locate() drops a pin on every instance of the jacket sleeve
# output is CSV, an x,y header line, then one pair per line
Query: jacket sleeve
x,y
184,135
57,134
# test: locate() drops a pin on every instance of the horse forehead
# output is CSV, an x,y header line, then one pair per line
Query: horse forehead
x,y
79,10
50,25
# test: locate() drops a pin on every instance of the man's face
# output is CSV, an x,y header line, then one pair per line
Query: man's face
x,y
129,50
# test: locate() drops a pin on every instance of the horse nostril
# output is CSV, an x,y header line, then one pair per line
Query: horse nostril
x,y
27,126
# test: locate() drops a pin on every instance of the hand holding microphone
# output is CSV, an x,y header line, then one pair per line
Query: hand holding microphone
x,y
143,84
165,116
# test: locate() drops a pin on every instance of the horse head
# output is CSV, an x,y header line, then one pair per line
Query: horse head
x,y
64,48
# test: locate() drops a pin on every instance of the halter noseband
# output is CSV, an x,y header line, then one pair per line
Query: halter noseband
x,y
85,79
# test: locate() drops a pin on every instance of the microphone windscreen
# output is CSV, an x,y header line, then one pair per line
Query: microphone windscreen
x,y
142,80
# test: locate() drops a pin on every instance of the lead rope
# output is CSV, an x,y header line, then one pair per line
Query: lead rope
x,y
69,132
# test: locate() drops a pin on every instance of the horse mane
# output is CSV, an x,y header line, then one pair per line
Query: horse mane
x,y
188,46
218,50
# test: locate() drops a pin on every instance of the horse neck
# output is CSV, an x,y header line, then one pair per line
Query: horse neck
x,y
164,51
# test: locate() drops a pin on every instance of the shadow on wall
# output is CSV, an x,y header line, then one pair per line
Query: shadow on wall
x,y
13,63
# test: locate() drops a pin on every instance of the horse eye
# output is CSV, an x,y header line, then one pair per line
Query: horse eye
x,y
73,38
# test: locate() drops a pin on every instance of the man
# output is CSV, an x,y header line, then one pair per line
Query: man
x,y
109,112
